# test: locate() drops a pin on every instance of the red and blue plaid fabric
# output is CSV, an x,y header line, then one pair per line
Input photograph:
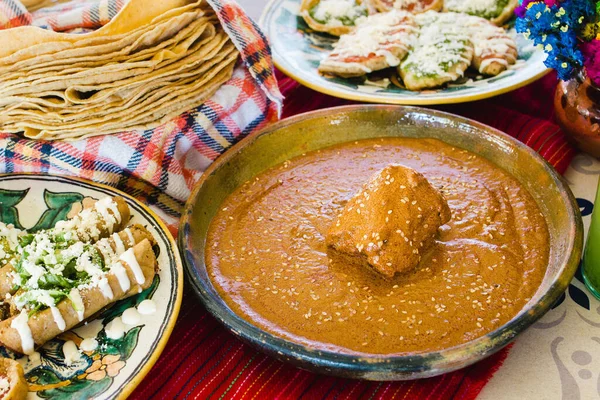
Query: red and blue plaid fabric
x,y
159,165
13,14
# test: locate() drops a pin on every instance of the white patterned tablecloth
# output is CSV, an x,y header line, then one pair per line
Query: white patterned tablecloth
x,y
559,356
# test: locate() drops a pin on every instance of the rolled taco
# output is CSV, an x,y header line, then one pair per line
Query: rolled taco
x,y
106,251
99,221
132,273
108,215
13,385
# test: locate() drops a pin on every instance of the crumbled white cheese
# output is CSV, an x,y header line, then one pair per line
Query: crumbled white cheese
x,y
20,324
87,224
334,12
386,35
442,44
85,263
9,240
476,7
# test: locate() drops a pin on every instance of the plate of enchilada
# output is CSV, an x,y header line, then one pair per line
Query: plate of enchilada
x,y
402,51
91,285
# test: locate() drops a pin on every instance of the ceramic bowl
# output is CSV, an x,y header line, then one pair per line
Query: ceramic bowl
x,y
316,130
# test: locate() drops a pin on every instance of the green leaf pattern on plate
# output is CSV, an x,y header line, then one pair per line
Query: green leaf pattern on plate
x,y
59,205
8,202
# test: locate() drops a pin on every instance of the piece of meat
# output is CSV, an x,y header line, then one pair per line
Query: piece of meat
x,y
390,223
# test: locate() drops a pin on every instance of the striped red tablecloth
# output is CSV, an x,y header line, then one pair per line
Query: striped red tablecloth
x,y
203,360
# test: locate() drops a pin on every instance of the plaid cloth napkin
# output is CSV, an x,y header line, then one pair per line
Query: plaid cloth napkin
x,y
159,166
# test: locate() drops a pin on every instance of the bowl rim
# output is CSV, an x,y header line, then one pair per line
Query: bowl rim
x,y
420,365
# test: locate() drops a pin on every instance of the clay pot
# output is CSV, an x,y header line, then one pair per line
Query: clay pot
x,y
577,105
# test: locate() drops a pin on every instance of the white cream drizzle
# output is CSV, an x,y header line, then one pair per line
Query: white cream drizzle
x,y
121,273
78,305
147,307
119,245
71,352
89,344
105,288
102,206
130,237
491,44
107,252
387,35
58,318
131,316
129,258
19,323
115,209
115,329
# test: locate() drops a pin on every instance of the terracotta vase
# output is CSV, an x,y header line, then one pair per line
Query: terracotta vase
x,y
577,105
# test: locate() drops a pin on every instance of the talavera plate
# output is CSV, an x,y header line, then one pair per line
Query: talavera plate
x,y
297,51
117,366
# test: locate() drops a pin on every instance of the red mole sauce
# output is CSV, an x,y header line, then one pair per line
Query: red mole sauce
x,y
268,258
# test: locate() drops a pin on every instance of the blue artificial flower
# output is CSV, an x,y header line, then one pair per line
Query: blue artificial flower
x,y
555,28
577,13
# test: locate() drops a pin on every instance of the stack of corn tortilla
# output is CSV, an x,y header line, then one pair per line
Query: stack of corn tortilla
x,y
153,61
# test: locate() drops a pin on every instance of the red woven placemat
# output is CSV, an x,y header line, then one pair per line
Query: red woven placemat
x,y
203,360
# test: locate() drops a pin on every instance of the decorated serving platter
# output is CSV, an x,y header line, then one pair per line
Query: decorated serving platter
x,y
116,366
298,50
